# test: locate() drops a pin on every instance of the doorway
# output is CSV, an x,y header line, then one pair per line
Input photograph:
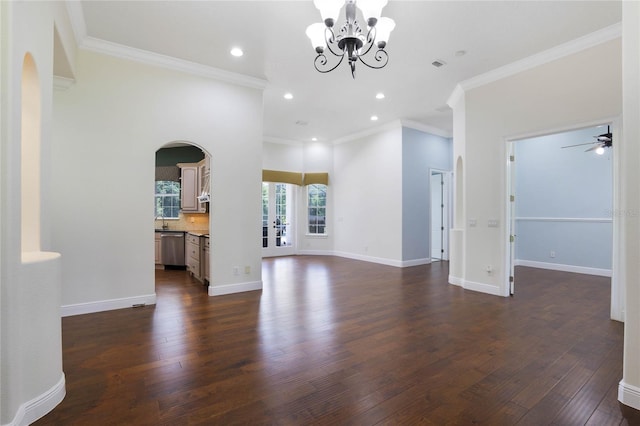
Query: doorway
x,y
181,206
278,220
440,211
560,203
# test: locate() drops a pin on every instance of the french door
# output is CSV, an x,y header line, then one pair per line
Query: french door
x,y
278,202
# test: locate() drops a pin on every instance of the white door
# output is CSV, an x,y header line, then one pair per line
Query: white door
x,y
440,215
278,202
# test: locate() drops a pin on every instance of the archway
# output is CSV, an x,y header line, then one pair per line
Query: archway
x,y
181,209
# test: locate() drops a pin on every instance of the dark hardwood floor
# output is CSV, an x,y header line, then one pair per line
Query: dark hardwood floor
x,y
338,341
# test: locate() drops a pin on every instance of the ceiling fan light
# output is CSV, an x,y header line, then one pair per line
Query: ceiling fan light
x,y
315,32
383,31
599,150
329,10
371,10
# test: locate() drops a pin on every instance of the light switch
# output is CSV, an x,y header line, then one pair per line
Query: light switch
x,y
493,223
473,223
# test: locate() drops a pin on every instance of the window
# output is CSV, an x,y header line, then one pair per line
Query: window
x,y
317,204
167,199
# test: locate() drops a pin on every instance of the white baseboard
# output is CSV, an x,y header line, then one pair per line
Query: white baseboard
x,y
106,305
629,395
456,281
221,290
481,287
379,260
315,253
564,268
382,261
39,406
415,262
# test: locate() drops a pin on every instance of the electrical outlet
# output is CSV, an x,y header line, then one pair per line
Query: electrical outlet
x,y
489,269
236,270
552,254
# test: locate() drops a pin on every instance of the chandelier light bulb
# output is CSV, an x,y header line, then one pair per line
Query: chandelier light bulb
x,y
383,31
315,32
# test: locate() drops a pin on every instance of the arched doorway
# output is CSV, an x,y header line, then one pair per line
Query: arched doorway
x,y
181,209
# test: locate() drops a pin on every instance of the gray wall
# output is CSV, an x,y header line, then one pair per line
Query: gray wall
x,y
421,152
564,200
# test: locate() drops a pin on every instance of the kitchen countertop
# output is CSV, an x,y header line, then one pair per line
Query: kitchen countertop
x,y
197,233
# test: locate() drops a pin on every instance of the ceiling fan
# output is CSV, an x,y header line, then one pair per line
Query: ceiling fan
x,y
602,141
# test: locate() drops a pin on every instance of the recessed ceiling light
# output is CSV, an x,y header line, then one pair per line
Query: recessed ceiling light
x,y
288,96
237,52
374,118
380,95
438,63
314,139
461,52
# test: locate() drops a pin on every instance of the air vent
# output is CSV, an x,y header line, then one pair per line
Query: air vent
x,y
302,123
438,63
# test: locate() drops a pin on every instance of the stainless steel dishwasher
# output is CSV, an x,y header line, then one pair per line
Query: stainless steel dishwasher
x,y
172,245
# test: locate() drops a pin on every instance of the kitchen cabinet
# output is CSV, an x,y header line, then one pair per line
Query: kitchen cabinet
x,y
189,188
194,178
205,259
193,256
158,249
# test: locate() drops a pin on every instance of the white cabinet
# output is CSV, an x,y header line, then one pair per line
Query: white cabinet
x,y
189,188
193,256
205,259
158,249
194,178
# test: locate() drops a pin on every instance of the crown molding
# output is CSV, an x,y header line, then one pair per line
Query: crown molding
x,y
154,59
574,46
456,96
271,139
76,16
62,83
425,128
396,124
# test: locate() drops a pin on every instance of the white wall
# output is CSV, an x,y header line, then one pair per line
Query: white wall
x,y
550,96
30,384
107,128
367,195
629,211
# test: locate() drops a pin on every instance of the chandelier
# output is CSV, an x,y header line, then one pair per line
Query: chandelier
x,y
349,41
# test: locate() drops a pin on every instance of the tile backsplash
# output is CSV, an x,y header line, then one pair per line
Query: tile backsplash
x,y
186,222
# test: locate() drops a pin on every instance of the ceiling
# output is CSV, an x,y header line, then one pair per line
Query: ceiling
x,y
334,105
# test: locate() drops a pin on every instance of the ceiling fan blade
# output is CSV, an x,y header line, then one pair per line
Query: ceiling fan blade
x,y
593,148
580,144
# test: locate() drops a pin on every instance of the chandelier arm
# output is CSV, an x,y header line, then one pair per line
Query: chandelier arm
x,y
322,60
330,38
370,40
380,56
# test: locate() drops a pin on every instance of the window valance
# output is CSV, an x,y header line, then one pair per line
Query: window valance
x,y
283,177
295,178
311,178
